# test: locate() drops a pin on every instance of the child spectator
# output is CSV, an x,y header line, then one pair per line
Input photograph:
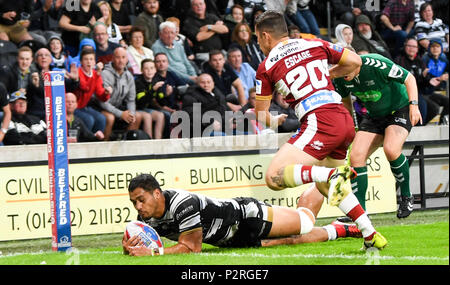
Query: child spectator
x,y
90,82
437,73
56,46
146,90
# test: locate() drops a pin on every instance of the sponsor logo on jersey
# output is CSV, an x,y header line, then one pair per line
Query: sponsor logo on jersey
x,y
400,120
317,145
336,47
395,72
369,96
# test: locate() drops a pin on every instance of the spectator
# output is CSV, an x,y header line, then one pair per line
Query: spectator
x,y
169,87
5,112
183,40
411,61
90,83
257,10
76,129
149,20
225,80
43,19
366,39
244,71
299,12
295,33
179,63
85,44
417,4
280,106
23,127
145,97
204,30
35,90
121,16
230,20
398,20
243,39
429,27
437,73
344,35
18,75
77,24
104,47
346,11
137,51
113,30
249,121
210,99
120,109
12,23
251,7
56,46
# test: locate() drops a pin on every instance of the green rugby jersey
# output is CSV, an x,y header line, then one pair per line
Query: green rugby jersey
x,y
380,85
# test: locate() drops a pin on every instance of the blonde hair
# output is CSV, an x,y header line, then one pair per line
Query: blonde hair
x,y
108,21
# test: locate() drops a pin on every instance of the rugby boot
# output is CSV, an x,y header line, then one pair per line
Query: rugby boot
x,y
339,183
378,241
405,207
346,230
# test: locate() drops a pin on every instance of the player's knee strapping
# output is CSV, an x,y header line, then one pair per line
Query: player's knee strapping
x,y
307,220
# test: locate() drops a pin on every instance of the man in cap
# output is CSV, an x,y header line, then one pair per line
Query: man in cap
x,y
23,128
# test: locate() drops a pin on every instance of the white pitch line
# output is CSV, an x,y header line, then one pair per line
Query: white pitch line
x,y
343,256
297,255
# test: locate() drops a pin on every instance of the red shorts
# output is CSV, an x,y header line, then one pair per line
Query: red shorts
x,y
326,131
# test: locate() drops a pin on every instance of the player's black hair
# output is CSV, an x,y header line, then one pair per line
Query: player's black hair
x,y
144,181
272,22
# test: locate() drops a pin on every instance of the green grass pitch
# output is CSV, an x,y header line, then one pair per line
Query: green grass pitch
x,y
421,239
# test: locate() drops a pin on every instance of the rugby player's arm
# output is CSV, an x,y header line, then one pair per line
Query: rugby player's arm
x,y
413,95
188,241
263,115
348,63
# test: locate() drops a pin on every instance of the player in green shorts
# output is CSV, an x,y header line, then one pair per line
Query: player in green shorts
x,y
389,92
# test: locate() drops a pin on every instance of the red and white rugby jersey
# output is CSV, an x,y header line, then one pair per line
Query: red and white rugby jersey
x,y
298,68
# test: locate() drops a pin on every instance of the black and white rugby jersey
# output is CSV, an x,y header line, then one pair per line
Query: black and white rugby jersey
x,y
219,218
437,29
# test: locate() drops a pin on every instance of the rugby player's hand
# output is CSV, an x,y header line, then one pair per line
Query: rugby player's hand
x,y
128,243
414,115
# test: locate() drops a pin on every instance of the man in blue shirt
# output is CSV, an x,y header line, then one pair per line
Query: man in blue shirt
x,y
242,69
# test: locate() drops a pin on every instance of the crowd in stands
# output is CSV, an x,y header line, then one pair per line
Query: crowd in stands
x,y
129,65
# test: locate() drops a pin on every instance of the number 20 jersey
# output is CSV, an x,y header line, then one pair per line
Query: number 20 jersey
x,y
297,68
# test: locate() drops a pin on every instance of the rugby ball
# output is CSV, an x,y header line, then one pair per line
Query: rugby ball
x,y
147,234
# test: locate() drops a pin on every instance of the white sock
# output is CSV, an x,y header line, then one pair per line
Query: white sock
x,y
304,174
351,207
332,234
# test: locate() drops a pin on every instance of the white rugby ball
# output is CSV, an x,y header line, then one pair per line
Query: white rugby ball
x,y
148,235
